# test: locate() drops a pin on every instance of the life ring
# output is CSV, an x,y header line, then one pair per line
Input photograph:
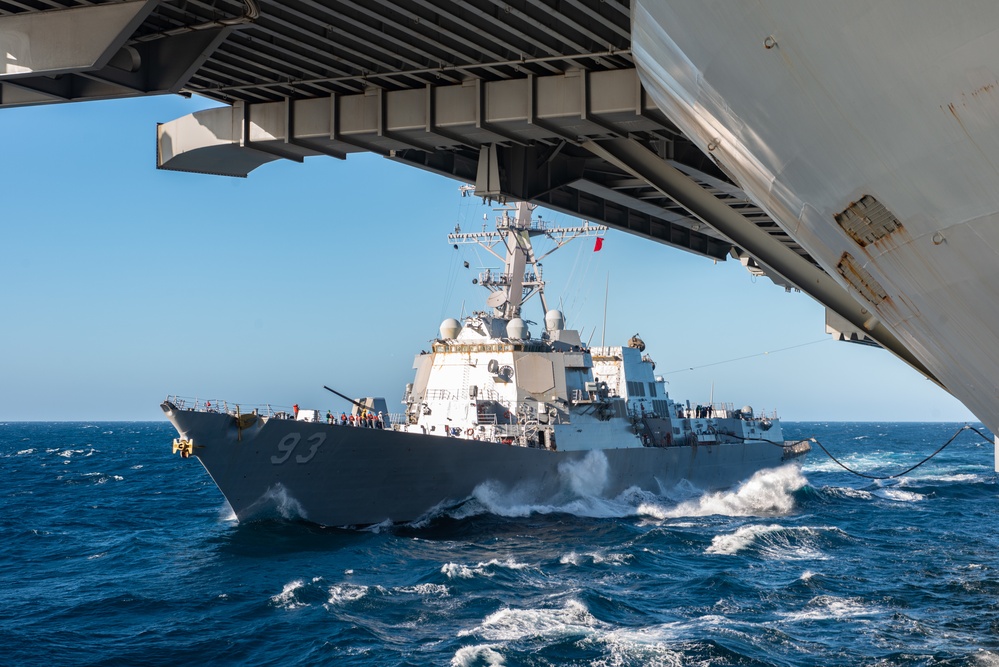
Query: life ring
x,y
506,415
470,431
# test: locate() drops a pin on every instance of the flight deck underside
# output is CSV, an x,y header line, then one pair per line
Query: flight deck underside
x,y
528,99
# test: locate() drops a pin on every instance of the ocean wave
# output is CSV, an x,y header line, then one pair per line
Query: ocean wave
x,y
825,607
340,594
509,624
531,630
288,597
580,486
276,502
482,569
766,493
899,495
481,654
574,558
424,590
774,542
847,492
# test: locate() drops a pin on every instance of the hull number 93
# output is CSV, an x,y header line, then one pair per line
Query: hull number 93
x,y
289,442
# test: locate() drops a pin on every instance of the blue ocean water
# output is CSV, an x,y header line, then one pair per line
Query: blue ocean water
x,y
115,552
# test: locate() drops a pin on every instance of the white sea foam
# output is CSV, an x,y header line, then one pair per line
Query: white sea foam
x,y
287,598
641,647
378,527
832,607
510,624
467,656
986,658
227,514
773,541
767,493
587,476
277,500
523,500
343,593
963,478
70,453
482,569
25,452
646,646
579,489
574,558
899,495
848,492
426,590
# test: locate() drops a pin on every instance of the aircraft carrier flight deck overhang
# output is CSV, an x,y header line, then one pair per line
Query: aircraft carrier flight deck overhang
x,y
536,100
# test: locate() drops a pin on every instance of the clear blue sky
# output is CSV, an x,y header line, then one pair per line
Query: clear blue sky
x,y
122,284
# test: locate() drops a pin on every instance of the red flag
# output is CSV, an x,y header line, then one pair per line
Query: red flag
x,y
598,245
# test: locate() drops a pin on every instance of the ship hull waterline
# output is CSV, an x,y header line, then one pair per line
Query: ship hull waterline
x,y
336,475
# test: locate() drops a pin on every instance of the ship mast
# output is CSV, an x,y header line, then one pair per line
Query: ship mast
x,y
522,276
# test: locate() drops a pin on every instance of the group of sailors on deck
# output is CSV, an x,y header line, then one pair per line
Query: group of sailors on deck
x,y
366,419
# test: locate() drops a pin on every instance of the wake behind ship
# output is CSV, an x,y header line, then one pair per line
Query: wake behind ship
x,y
490,404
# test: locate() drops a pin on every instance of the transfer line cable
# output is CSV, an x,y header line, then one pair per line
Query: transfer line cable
x,y
749,356
842,465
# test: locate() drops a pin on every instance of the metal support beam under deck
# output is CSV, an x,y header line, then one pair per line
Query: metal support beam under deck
x,y
642,163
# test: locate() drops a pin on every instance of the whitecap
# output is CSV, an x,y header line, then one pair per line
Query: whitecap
x,y
288,598
579,488
277,500
378,527
227,514
485,569
773,541
25,452
426,590
831,607
741,539
766,493
647,646
343,593
848,492
595,557
571,558
986,658
899,495
467,656
587,476
510,624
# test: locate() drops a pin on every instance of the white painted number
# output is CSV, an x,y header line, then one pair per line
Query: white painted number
x,y
316,440
290,441
286,445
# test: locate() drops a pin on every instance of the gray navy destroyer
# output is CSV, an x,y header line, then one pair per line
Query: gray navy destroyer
x,y
490,404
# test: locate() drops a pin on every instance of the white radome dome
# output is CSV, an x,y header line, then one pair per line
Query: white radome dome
x,y
517,328
554,320
450,328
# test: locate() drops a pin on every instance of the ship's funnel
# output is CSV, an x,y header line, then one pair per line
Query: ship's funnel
x,y
554,320
517,328
450,328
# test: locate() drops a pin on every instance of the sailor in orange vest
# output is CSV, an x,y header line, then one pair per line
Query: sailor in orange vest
x,y
295,408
